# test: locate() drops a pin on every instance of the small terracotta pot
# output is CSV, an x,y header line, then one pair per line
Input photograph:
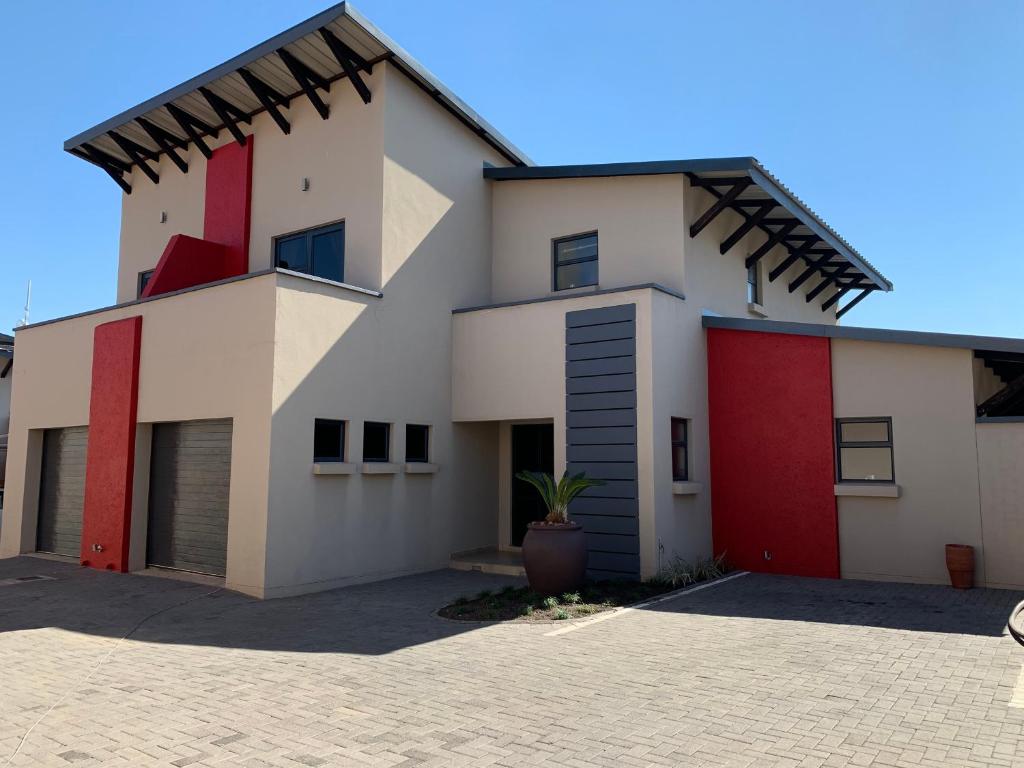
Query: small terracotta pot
x,y
960,562
555,557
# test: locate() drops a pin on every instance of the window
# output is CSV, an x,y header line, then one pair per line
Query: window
x,y
319,252
575,261
864,450
376,441
144,278
328,440
680,451
754,284
417,443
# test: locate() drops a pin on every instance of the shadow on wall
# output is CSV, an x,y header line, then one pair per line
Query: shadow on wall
x,y
909,607
370,620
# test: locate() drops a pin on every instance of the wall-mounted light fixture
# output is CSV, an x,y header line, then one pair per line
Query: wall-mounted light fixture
x,y
305,184
163,217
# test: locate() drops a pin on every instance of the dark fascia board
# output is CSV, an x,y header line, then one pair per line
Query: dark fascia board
x,y
921,338
407,63
747,165
581,295
601,170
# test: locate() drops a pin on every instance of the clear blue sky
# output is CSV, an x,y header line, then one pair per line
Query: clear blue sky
x,y
899,122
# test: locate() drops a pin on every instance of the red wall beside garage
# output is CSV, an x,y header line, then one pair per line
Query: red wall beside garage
x,y
110,459
771,431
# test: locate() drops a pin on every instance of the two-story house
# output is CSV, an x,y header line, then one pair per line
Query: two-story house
x,y
349,311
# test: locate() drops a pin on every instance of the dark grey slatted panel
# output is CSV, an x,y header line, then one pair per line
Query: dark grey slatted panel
x,y
620,348
62,491
600,367
623,526
603,436
604,332
600,404
190,477
600,316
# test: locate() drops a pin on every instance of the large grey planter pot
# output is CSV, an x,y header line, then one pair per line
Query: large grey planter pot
x,y
555,557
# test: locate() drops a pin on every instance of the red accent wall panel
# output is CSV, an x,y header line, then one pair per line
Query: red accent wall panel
x,y
771,431
229,202
188,261
110,459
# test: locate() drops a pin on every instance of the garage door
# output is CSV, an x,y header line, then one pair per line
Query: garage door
x,y
62,491
190,472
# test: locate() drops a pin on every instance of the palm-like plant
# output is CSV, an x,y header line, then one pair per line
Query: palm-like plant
x,y
557,496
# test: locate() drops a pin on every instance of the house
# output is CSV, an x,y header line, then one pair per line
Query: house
x,y
349,310
6,364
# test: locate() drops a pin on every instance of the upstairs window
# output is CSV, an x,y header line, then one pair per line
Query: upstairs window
x,y
864,450
376,441
319,252
328,440
680,450
754,284
144,278
417,443
575,261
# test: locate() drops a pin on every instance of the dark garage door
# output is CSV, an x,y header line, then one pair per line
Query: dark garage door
x,y
190,472
62,491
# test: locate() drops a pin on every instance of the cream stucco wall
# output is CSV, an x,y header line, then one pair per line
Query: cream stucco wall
x,y
1000,461
355,358
205,354
341,157
928,392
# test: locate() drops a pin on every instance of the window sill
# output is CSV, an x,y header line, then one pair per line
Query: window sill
x,y
420,468
379,468
333,468
757,309
686,488
869,490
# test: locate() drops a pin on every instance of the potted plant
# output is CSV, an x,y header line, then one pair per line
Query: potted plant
x,y
555,549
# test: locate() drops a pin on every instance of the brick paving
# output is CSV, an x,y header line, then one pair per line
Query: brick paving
x,y
758,671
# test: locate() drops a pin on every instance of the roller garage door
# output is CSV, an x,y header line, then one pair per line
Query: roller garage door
x,y
62,491
190,474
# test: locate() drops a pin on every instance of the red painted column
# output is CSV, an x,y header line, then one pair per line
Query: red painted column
x,y
110,459
772,465
228,209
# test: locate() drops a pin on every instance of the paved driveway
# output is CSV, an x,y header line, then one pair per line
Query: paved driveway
x,y
757,671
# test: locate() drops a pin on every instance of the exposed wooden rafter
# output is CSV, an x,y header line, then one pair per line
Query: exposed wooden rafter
x,y
228,113
350,62
308,80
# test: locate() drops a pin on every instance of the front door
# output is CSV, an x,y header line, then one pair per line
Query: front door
x,y
533,450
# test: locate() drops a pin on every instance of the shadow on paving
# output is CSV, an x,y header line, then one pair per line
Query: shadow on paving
x,y
368,619
915,607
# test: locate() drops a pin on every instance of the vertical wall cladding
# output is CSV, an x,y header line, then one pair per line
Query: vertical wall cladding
x,y
110,460
600,404
773,503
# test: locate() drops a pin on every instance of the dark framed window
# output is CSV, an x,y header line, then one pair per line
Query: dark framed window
x,y
144,278
328,440
754,284
417,443
864,450
575,261
680,450
319,252
376,441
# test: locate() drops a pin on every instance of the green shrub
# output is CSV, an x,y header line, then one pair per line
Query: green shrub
x,y
571,598
561,614
550,602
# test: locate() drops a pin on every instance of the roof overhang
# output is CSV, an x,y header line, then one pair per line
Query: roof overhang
x,y
302,62
744,186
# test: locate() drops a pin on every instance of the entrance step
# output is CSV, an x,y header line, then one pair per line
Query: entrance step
x,y
489,560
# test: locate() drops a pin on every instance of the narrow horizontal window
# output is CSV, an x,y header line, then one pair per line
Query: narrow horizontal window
x,y
575,261
680,450
319,252
376,441
864,451
328,440
417,443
